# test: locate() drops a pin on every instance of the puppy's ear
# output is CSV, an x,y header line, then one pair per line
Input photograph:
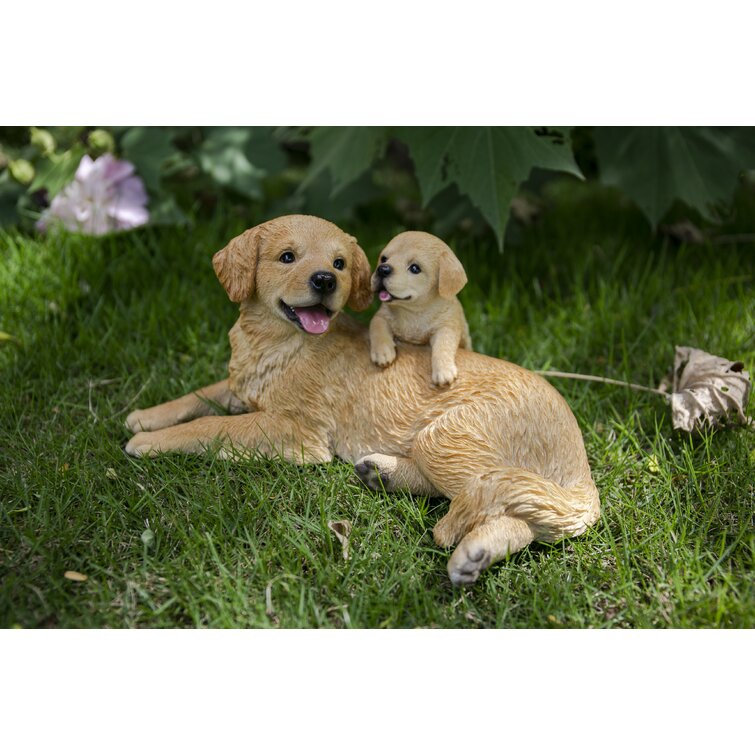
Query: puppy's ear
x,y
236,264
451,275
361,291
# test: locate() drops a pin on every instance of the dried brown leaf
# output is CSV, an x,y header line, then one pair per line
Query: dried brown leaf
x,y
524,210
684,231
342,530
707,390
76,576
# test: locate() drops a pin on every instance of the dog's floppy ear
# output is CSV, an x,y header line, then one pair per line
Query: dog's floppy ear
x,y
451,275
236,264
361,290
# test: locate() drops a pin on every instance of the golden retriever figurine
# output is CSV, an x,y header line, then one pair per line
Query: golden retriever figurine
x,y
417,280
500,442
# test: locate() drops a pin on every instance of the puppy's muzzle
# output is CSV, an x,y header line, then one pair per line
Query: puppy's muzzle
x,y
384,271
323,283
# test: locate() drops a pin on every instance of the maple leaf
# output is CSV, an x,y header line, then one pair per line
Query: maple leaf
x,y
707,390
656,165
488,164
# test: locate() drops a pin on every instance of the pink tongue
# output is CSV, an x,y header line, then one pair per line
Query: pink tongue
x,y
384,296
313,319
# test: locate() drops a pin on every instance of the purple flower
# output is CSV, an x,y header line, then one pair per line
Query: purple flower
x,y
104,196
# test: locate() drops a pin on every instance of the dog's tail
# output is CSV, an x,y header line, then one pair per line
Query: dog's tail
x,y
551,510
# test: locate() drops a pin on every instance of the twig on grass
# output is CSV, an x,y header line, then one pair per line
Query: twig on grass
x,y
597,379
134,398
733,238
96,384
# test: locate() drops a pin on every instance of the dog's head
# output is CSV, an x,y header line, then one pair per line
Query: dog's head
x,y
416,267
303,268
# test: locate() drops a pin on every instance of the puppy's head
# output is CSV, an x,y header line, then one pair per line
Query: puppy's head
x,y
303,268
415,268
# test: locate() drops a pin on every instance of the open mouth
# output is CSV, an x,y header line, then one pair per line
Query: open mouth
x,y
385,295
314,320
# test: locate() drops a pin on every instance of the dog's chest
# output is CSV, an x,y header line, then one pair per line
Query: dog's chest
x,y
411,328
258,372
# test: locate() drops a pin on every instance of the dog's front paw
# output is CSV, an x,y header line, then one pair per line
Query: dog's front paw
x,y
467,562
142,445
138,420
383,355
374,471
445,375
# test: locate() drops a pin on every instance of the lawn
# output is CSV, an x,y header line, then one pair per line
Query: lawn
x,y
106,325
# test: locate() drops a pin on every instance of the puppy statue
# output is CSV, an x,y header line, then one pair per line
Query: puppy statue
x,y
417,280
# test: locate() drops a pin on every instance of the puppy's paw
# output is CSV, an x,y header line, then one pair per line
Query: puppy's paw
x,y
375,471
445,374
466,563
142,445
384,354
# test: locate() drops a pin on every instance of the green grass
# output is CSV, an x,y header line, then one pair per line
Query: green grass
x,y
106,325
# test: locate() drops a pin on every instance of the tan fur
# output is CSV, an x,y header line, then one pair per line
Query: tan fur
x,y
425,310
500,442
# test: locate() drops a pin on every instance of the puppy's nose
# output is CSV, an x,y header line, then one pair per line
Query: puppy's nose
x,y
323,283
384,271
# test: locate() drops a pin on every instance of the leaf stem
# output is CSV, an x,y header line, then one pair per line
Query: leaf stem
x,y
596,379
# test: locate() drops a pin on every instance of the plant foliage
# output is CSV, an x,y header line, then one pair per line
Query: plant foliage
x,y
433,177
488,164
657,166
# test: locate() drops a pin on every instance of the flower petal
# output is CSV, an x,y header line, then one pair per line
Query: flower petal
x,y
105,195
85,168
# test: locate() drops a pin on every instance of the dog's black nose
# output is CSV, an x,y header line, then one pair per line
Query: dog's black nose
x,y
384,271
323,283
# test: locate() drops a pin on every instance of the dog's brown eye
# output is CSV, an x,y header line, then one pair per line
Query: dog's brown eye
x,y
384,259
287,257
339,264
416,269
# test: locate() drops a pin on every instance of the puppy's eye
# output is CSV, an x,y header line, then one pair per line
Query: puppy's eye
x,y
339,263
287,257
416,269
384,259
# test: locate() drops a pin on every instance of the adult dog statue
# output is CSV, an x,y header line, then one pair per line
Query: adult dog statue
x,y
501,442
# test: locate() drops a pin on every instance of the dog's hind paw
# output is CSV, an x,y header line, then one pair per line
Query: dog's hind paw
x,y
374,471
467,562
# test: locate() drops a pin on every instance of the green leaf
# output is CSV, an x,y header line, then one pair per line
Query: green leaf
x,y
345,152
264,151
654,166
164,210
57,171
8,338
429,148
10,191
486,163
317,198
148,148
223,156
